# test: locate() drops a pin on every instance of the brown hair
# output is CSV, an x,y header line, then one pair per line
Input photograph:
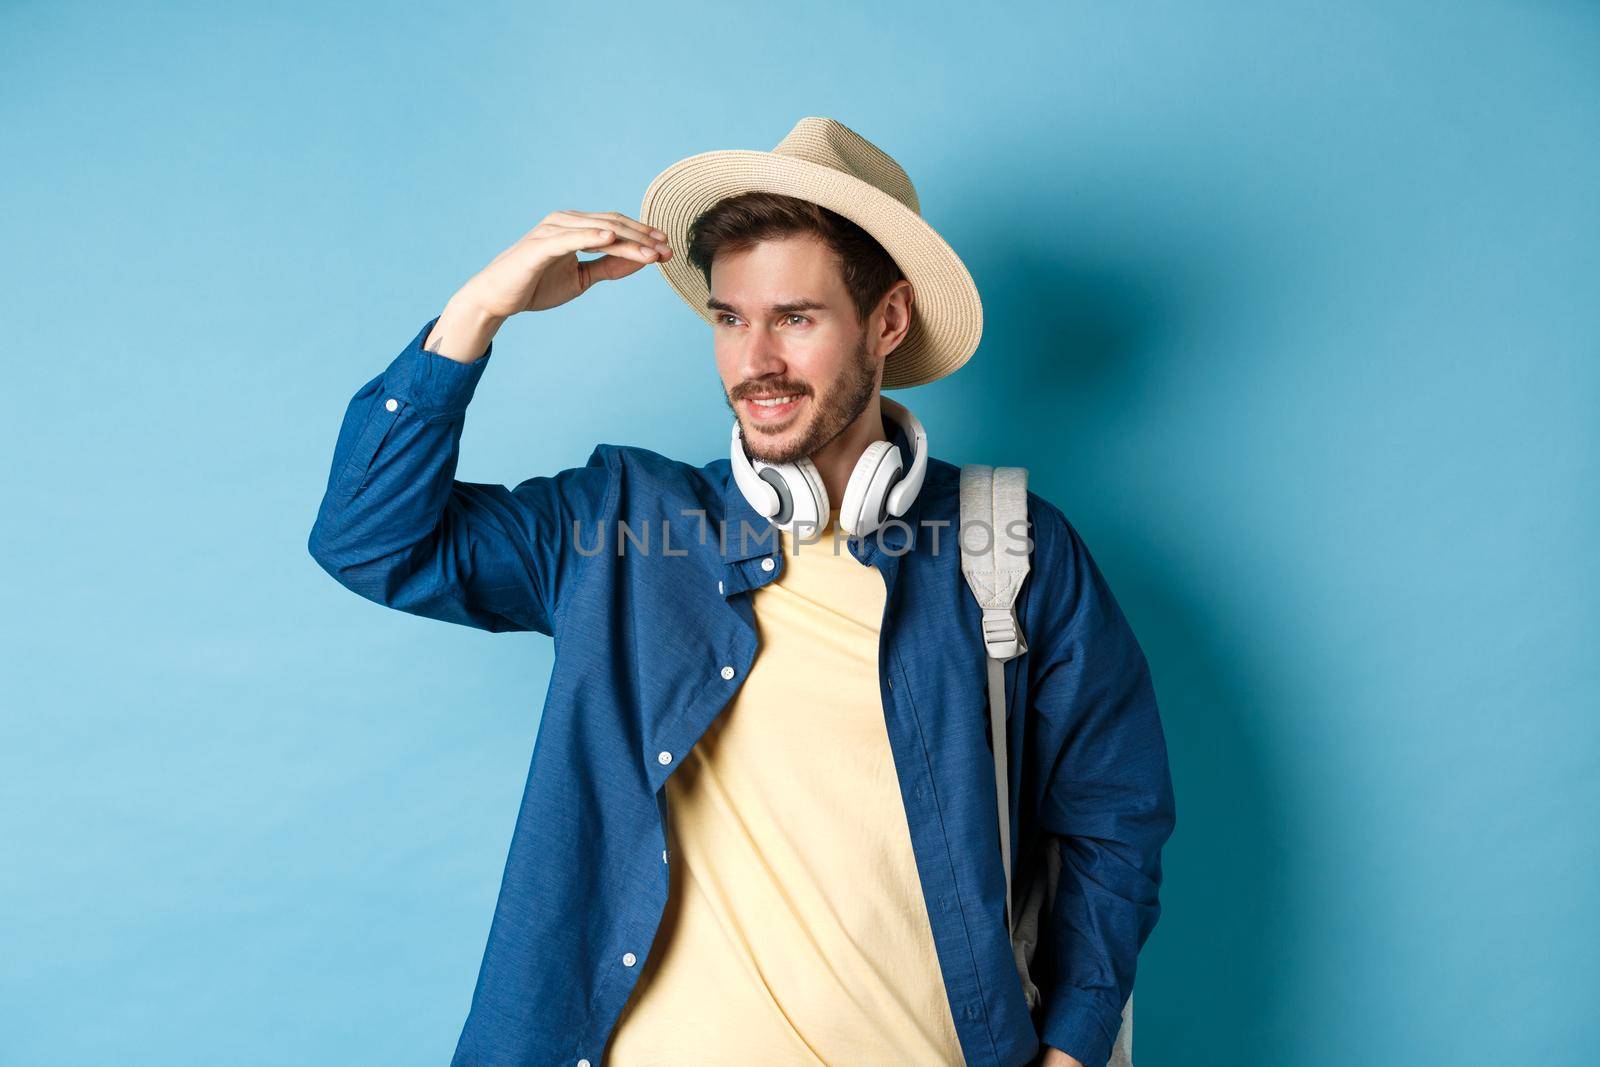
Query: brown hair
x,y
736,223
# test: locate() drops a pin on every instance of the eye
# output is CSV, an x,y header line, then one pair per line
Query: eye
x,y
723,315
797,315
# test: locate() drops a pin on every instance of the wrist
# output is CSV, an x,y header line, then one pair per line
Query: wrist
x,y
463,330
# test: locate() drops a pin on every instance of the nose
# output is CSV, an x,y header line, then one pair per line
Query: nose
x,y
761,357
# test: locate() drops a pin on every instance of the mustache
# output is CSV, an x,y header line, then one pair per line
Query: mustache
x,y
744,392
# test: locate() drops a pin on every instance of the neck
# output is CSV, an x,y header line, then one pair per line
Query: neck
x,y
837,459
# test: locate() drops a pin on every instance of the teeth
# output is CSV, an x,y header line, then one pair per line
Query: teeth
x,y
775,401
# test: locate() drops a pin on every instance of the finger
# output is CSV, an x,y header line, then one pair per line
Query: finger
x,y
612,243
630,226
558,240
644,233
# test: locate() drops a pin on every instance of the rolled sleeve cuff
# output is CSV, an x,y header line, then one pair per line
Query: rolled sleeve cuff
x,y
435,386
1080,1023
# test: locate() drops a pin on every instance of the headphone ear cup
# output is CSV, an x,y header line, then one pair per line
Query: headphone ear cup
x,y
866,495
802,498
785,500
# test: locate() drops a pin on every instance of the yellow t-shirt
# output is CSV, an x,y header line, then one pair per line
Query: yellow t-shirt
x,y
795,932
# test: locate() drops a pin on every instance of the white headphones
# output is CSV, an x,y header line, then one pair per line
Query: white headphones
x,y
793,497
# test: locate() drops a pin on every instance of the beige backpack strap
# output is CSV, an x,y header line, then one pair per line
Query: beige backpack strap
x,y
994,560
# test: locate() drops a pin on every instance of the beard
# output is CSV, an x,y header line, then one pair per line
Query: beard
x,y
832,412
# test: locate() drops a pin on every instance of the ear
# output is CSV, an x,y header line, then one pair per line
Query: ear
x,y
895,311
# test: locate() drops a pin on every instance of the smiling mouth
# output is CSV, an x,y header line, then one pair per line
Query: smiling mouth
x,y
773,408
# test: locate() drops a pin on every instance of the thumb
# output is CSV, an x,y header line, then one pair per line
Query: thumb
x,y
610,268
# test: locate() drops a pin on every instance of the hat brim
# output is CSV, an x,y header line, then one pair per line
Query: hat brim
x,y
946,312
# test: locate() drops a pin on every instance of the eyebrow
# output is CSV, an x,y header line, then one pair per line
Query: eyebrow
x,y
788,307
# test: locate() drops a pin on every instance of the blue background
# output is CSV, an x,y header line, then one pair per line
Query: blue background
x,y
1291,307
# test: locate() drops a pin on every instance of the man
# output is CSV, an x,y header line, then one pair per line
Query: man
x,y
760,822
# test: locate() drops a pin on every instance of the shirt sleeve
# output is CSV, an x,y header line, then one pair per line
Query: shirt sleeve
x,y
397,528
1107,791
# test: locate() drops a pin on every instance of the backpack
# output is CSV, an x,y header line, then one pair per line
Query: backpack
x,y
995,499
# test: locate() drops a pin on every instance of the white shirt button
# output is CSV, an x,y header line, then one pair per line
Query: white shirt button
x,y
664,758
727,672
719,585
391,404
583,1063
767,564
629,959
663,855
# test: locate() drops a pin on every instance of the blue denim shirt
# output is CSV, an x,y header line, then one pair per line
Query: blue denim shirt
x,y
640,568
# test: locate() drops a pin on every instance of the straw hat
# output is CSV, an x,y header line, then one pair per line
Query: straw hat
x,y
827,163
